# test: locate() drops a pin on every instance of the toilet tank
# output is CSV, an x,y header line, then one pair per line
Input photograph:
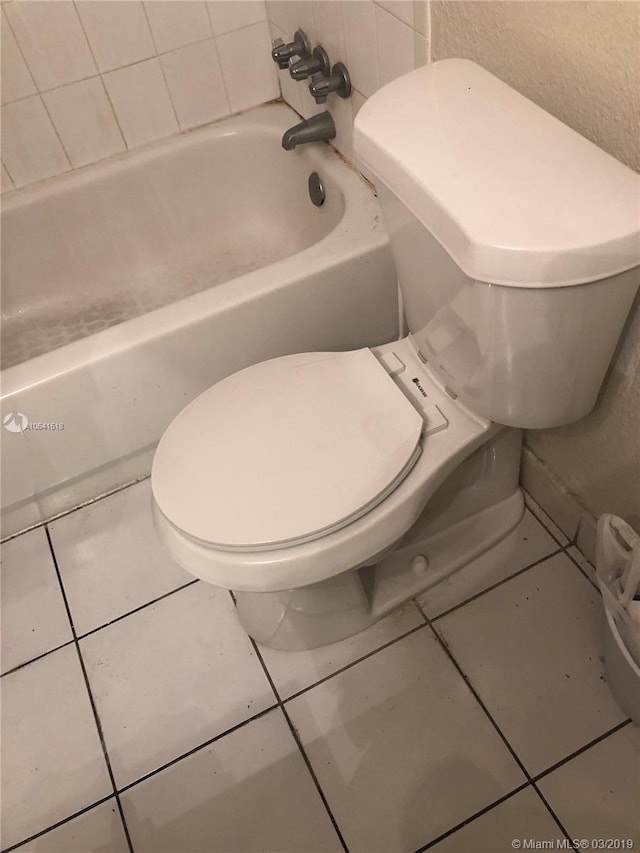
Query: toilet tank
x,y
516,240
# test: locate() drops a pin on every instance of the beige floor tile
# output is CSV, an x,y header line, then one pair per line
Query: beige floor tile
x,y
110,558
587,567
34,618
172,676
401,748
293,671
527,544
523,818
249,791
98,830
597,793
52,760
546,519
532,648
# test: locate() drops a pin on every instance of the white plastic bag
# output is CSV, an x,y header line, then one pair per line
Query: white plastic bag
x,y
617,562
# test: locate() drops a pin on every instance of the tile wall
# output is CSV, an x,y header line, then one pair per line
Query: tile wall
x,y
378,41
84,80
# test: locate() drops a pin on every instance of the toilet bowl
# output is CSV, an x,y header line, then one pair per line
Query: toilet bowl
x,y
325,489
314,522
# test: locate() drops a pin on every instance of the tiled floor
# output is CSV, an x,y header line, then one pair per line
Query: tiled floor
x,y
138,716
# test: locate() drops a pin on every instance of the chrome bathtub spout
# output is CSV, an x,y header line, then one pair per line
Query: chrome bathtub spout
x,y
318,128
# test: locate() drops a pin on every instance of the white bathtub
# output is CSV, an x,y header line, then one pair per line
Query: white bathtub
x,y
133,285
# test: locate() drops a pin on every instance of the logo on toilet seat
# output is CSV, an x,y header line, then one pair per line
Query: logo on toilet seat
x,y
416,382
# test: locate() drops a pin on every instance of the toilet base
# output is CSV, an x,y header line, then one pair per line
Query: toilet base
x,y
475,509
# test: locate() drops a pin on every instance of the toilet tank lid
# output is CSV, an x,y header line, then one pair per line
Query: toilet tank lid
x,y
515,196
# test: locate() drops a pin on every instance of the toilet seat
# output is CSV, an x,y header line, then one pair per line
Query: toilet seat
x,y
286,451
365,537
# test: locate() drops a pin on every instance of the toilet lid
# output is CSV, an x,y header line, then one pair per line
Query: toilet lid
x,y
286,451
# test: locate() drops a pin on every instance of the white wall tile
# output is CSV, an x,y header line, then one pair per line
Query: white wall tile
x,y
118,32
85,121
396,49
309,107
279,13
15,80
176,23
7,183
229,15
422,54
329,20
52,41
342,112
30,147
362,53
141,100
358,100
195,82
301,18
421,17
249,72
290,89
402,9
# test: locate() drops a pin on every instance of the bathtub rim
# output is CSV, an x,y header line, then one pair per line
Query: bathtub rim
x,y
342,242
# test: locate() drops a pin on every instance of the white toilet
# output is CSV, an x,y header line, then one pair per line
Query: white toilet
x,y
326,489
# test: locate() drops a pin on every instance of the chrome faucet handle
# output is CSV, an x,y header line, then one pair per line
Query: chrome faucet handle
x,y
302,68
338,81
282,53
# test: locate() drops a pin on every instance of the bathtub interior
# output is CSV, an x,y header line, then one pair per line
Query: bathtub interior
x,y
275,274
114,241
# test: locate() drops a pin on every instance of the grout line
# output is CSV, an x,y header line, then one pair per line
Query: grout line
x,y
104,625
57,133
138,609
58,823
296,737
13,183
540,518
81,505
195,749
582,749
499,731
146,776
90,695
550,810
354,663
316,782
102,83
24,59
38,657
411,26
582,571
489,588
161,66
115,118
473,817
101,72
